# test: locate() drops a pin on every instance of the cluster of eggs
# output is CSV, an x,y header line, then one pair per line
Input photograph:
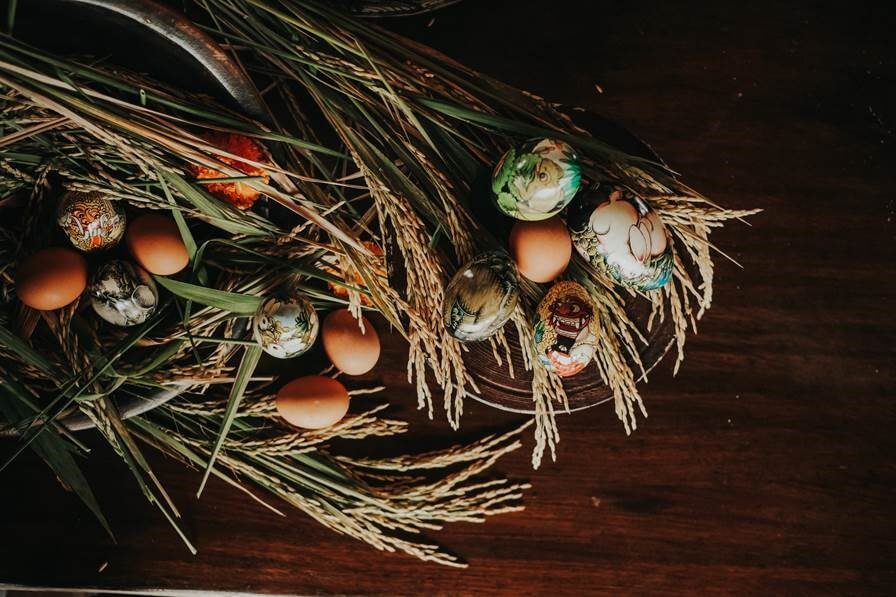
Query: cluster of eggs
x,y
121,292
610,227
287,328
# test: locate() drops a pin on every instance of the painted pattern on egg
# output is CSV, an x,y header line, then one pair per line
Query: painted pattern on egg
x,y
536,180
285,329
481,297
123,294
618,233
90,220
565,329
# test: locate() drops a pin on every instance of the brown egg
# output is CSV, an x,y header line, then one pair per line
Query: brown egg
x,y
351,350
156,244
51,278
312,402
541,249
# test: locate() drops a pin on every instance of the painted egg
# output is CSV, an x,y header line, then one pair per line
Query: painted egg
x,y
618,233
91,220
534,181
565,329
123,294
481,297
285,329
332,268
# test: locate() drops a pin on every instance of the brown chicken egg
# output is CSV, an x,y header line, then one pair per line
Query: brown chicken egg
x,y
351,350
156,244
51,278
312,402
541,249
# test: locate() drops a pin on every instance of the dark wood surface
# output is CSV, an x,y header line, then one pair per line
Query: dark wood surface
x,y
766,466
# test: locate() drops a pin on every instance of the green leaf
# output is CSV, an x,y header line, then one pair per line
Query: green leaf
x,y
247,367
56,453
240,304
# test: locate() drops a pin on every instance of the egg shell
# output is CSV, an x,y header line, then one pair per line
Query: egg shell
x,y
312,402
285,328
621,235
92,221
51,278
481,296
123,294
351,350
537,179
565,329
155,242
541,249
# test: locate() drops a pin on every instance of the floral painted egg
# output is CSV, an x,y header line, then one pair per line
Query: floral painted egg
x,y
618,233
565,329
91,220
481,296
285,328
534,181
123,294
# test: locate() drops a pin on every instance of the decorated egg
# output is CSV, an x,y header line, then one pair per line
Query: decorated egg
x,y
618,233
123,294
565,329
51,278
534,181
90,220
481,297
239,194
285,328
312,402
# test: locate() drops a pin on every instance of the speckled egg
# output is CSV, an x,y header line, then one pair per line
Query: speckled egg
x,y
481,297
537,179
565,329
91,220
618,233
285,328
123,294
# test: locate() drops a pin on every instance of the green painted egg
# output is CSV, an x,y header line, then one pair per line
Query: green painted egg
x,y
481,296
537,179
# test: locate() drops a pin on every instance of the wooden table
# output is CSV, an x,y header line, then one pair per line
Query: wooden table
x,y
766,466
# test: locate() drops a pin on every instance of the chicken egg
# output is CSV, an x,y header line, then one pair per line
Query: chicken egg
x,y
351,350
51,278
541,249
312,402
156,244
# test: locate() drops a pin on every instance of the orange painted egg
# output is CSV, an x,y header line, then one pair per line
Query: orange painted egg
x,y
92,221
312,402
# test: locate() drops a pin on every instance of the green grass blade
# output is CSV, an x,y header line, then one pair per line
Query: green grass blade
x,y
240,304
56,453
247,367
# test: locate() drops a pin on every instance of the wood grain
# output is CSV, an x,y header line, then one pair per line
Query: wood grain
x,y
766,466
